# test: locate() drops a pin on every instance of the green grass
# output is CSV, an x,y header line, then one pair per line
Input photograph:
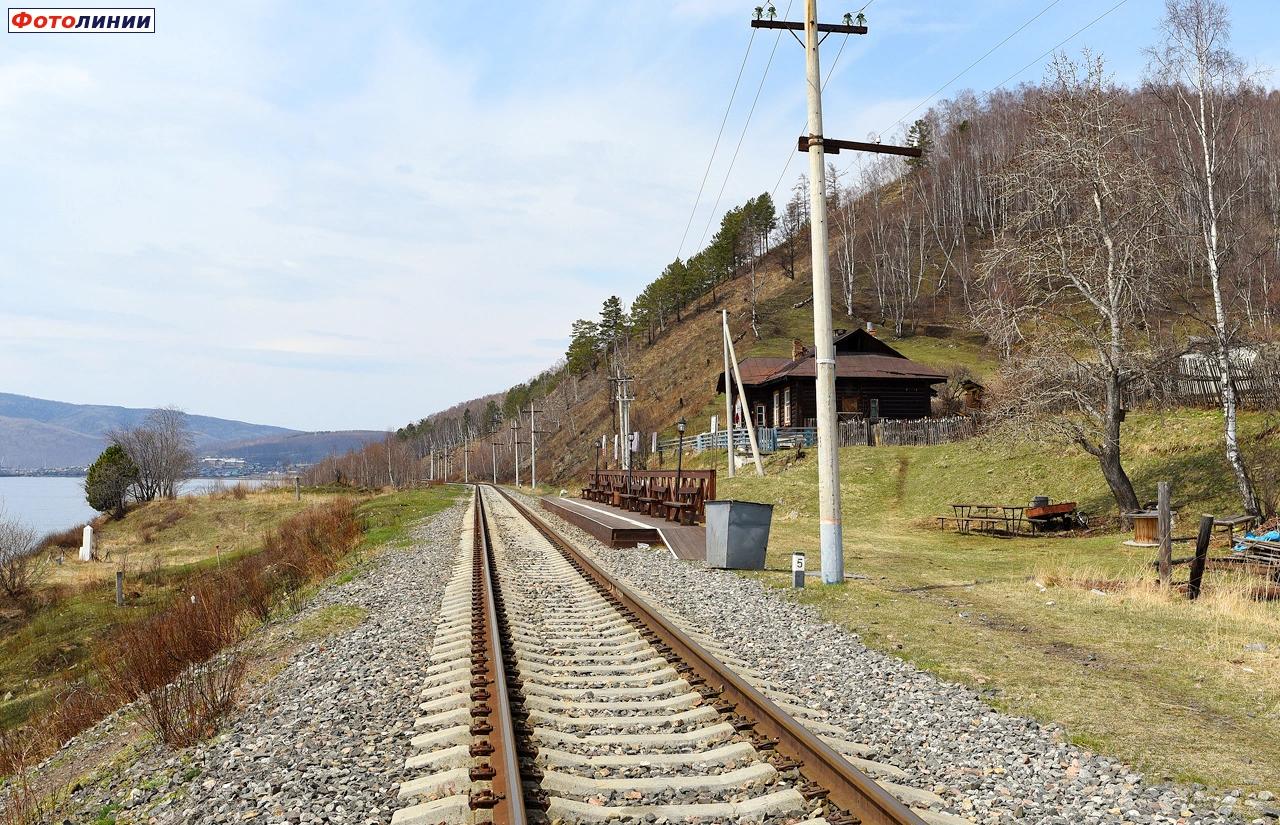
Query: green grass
x,y
946,353
1163,683
388,518
329,620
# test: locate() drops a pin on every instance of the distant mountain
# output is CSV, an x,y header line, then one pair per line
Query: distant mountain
x,y
29,445
295,448
36,433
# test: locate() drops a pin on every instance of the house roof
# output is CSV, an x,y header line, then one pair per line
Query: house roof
x,y
865,365
755,370
758,372
858,341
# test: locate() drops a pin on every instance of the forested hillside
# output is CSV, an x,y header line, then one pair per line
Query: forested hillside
x,y
1089,232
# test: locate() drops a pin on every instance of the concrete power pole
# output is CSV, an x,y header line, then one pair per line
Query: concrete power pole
x,y
831,534
824,350
493,456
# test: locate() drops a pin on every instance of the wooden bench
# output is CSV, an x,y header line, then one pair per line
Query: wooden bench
x,y
682,512
651,490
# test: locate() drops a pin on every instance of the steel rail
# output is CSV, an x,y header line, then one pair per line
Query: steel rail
x,y
843,785
508,788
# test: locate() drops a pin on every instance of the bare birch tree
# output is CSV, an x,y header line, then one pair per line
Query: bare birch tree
x,y
1075,263
163,450
1204,88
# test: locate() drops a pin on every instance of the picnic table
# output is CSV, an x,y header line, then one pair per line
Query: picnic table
x,y
1008,518
1232,522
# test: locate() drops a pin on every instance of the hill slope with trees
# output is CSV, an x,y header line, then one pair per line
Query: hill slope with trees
x,y
1074,239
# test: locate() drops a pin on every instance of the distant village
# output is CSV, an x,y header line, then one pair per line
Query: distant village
x,y
208,467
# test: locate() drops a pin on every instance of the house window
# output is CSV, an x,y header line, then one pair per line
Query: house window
x,y
875,408
786,407
760,415
776,399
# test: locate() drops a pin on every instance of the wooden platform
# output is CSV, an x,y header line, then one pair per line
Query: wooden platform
x,y
619,528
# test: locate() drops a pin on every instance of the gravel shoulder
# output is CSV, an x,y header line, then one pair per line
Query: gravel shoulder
x,y
325,737
989,766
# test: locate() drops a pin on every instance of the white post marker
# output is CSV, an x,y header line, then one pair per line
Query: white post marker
x,y
797,569
86,544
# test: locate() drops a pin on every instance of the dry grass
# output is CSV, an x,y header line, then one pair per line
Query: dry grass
x,y
181,661
1181,689
167,534
229,602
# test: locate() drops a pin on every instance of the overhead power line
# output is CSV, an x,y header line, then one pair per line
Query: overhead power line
x,y
830,71
716,147
966,69
742,135
1061,43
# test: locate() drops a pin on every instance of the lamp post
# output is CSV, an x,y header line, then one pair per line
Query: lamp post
x,y
680,425
597,447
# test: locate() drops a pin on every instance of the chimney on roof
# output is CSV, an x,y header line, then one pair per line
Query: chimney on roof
x,y
871,328
798,350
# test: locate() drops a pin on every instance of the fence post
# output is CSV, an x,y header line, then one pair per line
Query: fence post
x,y
1202,553
119,588
1164,534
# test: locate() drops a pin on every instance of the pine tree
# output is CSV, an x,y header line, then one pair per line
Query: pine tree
x,y
106,487
613,324
584,347
920,135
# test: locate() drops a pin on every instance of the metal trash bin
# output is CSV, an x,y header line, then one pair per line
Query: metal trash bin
x,y
737,534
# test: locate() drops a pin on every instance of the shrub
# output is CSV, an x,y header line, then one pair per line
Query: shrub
x,y
187,709
176,661
22,566
69,539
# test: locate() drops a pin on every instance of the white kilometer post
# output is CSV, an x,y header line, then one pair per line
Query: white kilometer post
x,y
824,354
797,569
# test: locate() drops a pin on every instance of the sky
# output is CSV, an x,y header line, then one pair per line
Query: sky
x,y
351,215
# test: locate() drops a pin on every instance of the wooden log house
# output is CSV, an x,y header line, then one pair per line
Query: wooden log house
x,y
873,380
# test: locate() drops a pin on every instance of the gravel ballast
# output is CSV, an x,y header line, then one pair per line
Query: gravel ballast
x,y
325,739
989,766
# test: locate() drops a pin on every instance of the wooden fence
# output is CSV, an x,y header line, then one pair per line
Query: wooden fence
x,y
907,432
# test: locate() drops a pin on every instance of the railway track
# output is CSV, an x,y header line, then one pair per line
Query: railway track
x,y
555,694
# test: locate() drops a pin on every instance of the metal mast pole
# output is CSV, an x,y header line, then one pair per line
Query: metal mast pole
x,y
728,391
533,450
832,541
515,439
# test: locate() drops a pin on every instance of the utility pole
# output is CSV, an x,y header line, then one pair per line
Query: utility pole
x,y
830,529
515,442
493,456
624,398
533,448
466,462
831,533
728,391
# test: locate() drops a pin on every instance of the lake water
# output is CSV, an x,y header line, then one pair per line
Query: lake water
x,y
50,504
